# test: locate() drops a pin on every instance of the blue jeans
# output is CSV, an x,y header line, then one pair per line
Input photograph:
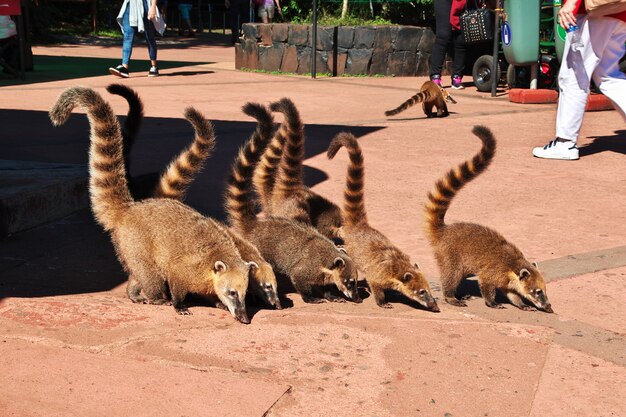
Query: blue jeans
x,y
129,35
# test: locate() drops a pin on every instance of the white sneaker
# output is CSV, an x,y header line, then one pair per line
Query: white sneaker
x,y
557,150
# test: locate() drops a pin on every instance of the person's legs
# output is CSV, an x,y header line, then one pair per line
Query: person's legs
x,y
574,82
443,36
129,36
127,46
609,36
185,10
150,34
458,63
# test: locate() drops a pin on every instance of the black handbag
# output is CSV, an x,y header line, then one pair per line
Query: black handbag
x,y
477,24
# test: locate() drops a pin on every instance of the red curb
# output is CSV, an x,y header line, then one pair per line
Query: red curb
x,y
598,102
525,96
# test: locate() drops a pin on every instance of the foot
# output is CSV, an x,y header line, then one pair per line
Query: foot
x,y
493,304
456,302
436,78
385,305
457,82
120,71
183,311
154,72
557,149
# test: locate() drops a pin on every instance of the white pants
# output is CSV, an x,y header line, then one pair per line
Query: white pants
x,y
603,46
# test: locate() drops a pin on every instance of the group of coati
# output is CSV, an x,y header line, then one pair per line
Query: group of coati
x,y
170,251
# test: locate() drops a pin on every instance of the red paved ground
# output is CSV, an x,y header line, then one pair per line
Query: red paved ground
x,y
73,345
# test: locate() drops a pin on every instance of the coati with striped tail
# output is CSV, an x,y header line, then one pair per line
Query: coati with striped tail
x,y
179,174
279,181
468,248
160,242
310,260
430,95
386,267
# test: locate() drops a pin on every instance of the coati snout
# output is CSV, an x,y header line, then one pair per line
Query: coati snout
x,y
264,284
231,285
414,285
345,276
533,288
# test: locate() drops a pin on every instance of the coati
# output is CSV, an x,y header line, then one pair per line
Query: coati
x,y
466,248
162,243
310,260
386,267
177,177
279,182
430,95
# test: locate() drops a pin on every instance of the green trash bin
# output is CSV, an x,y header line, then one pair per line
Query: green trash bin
x,y
520,31
559,32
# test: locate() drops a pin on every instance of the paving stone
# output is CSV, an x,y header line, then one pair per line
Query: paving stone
x,y
34,193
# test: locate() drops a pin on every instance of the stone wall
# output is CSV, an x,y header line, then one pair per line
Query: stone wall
x,y
370,50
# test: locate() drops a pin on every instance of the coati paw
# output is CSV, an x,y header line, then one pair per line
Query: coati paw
x,y
139,300
386,305
221,305
183,312
496,305
335,299
527,308
312,300
456,302
468,297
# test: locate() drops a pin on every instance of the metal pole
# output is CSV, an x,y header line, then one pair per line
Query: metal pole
x,y
495,66
314,41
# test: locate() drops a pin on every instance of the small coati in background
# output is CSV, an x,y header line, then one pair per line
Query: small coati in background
x,y
311,261
430,95
467,248
179,174
162,244
279,181
386,267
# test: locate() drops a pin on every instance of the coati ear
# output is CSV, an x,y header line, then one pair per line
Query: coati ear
x,y
524,273
416,265
252,266
342,249
339,263
219,266
535,265
407,277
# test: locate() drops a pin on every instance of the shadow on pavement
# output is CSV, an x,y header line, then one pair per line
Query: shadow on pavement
x,y
613,143
74,255
56,68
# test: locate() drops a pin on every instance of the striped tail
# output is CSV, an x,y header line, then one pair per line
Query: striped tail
x,y
133,120
289,178
264,176
447,187
239,204
354,204
183,169
413,100
107,180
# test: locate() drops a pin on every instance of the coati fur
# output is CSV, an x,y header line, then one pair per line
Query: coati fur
x,y
430,95
279,181
310,260
467,248
142,186
162,243
386,267
179,174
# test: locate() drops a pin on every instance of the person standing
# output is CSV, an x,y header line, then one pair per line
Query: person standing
x,y
184,8
266,10
596,56
239,11
137,16
448,38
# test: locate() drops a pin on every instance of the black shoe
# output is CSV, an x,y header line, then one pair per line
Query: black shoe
x,y
120,71
154,72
